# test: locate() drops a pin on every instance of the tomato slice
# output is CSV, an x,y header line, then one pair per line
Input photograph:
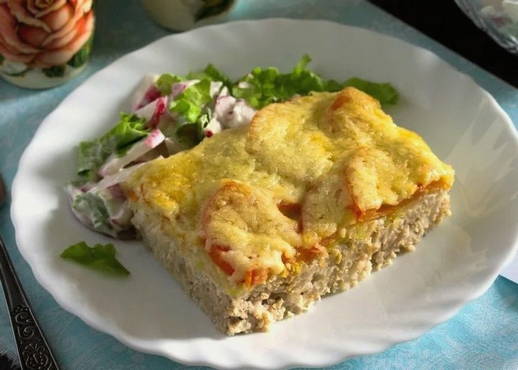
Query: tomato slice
x,y
308,254
255,276
216,253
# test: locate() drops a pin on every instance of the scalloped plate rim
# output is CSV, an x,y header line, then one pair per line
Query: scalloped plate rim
x,y
134,342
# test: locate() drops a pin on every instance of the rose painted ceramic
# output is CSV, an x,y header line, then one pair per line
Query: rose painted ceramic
x,y
44,43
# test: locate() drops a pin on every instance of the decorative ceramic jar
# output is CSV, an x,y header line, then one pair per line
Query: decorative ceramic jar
x,y
44,43
181,15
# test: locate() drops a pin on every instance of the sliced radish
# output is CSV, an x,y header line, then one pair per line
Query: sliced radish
x,y
146,111
116,163
215,88
180,87
223,107
177,89
151,95
112,180
116,191
233,113
153,111
122,215
241,115
212,128
223,92
145,92
160,109
154,139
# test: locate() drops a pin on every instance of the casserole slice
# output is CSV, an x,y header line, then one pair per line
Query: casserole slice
x,y
259,222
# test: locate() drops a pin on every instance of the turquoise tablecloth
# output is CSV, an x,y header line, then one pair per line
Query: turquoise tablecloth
x,y
483,335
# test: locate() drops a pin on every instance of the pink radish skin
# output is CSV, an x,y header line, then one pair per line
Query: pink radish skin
x,y
232,112
138,96
180,87
116,191
160,109
223,107
177,89
212,128
153,111
151,95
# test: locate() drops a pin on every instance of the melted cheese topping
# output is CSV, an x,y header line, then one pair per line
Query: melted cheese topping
x,y
257,199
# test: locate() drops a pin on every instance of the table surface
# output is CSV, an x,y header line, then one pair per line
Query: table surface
x,y
484,334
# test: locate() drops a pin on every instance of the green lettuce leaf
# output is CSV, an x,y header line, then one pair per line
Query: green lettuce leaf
x,y
384,92
92,154
191,108
263,86
303,81
260,87
99,257
165,82
210,73
190,103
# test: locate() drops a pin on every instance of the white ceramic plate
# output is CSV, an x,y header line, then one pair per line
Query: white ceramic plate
x,y
148,311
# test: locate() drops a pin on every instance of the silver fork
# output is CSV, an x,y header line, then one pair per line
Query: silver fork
x,y
33,349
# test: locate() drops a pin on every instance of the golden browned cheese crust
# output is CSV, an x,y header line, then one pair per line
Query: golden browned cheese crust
x,y
255,202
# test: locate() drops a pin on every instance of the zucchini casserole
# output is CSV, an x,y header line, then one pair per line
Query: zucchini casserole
x,y
260,221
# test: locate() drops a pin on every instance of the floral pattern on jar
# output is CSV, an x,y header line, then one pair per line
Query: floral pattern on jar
x,y
43,43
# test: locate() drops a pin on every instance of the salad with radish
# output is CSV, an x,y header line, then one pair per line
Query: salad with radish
x,y
171,113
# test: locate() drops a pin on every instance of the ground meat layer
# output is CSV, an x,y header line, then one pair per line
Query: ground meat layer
x,y
347,264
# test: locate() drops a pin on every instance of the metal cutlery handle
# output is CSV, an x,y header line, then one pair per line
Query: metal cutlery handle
x,y
32,346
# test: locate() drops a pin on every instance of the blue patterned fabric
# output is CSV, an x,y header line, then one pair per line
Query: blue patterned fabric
x,y
483,335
